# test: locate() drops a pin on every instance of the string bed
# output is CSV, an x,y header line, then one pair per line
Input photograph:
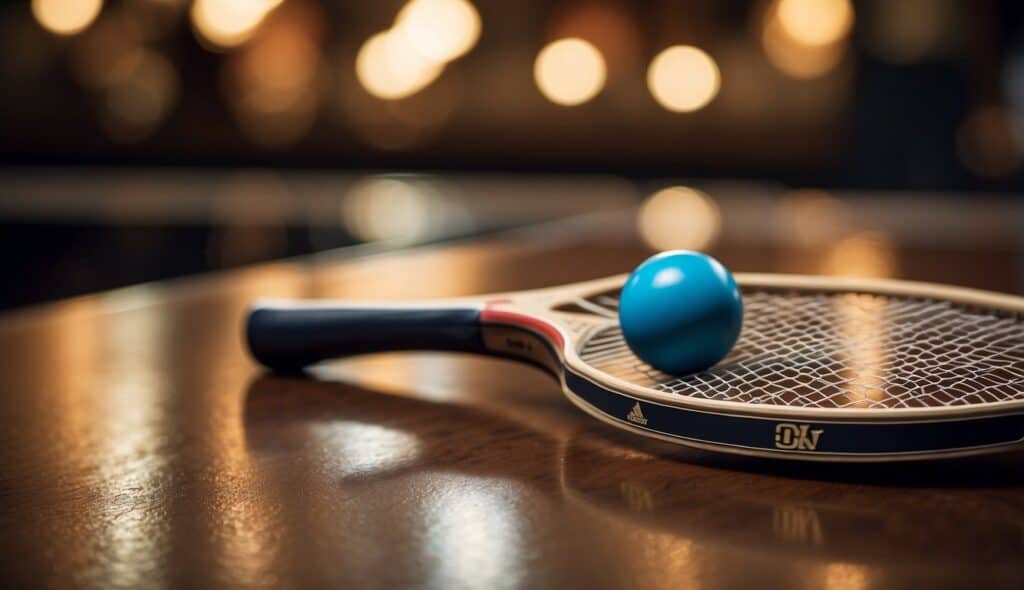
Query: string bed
x,y
843,350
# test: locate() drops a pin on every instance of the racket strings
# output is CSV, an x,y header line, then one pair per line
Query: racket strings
x,y
596,307
842,350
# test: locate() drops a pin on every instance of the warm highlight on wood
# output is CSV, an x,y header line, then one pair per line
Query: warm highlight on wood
x,y
143,448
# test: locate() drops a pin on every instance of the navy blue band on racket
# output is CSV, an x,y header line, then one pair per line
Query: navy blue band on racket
x,y
786,436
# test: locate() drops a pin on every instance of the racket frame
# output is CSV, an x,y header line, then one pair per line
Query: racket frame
x,y
524,325
531,311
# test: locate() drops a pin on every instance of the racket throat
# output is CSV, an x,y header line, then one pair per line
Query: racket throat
x,y
521,344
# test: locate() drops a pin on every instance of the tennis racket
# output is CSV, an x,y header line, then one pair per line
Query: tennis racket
x,y
825,369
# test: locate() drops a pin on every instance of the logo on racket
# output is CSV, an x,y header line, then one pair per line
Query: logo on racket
x,y
636,415
796,436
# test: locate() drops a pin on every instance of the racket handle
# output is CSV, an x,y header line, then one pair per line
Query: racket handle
x,y
288,336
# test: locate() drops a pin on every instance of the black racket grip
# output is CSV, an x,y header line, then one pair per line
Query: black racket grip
x,y
288,337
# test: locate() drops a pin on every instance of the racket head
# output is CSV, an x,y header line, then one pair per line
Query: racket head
x,y
825,369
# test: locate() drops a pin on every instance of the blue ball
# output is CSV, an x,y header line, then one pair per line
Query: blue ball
x,y
681,311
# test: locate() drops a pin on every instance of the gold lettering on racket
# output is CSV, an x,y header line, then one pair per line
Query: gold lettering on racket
x,y
636,415
796,436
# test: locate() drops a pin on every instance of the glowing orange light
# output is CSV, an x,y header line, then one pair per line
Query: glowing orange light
x,y
806,38
867,254
815,22
229,23
66,17
276,70
569,71
679,217
273,82
440,30
607,26
846,576
683,78
389,68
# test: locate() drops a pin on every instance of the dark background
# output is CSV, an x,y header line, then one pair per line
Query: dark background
x,y
916,95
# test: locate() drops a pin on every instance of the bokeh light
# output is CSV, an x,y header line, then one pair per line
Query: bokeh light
x,y
387,209
849,576
277,71
812,217
141,97
404,209
806,38
66,17
569,71
799,61
388,67
394,124
273,83
440,30
683,78
815,22
865,254
607,26
107,51
989,141
679,217
909,31
229,23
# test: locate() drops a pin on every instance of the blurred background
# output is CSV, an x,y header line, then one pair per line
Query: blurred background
x,y
144,139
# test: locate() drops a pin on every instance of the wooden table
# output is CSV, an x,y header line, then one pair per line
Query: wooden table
x,y
141,447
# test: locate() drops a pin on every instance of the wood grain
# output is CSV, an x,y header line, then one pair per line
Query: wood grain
x,y
142,448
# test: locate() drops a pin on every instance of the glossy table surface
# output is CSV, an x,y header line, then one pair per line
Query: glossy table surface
x,y
142,448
